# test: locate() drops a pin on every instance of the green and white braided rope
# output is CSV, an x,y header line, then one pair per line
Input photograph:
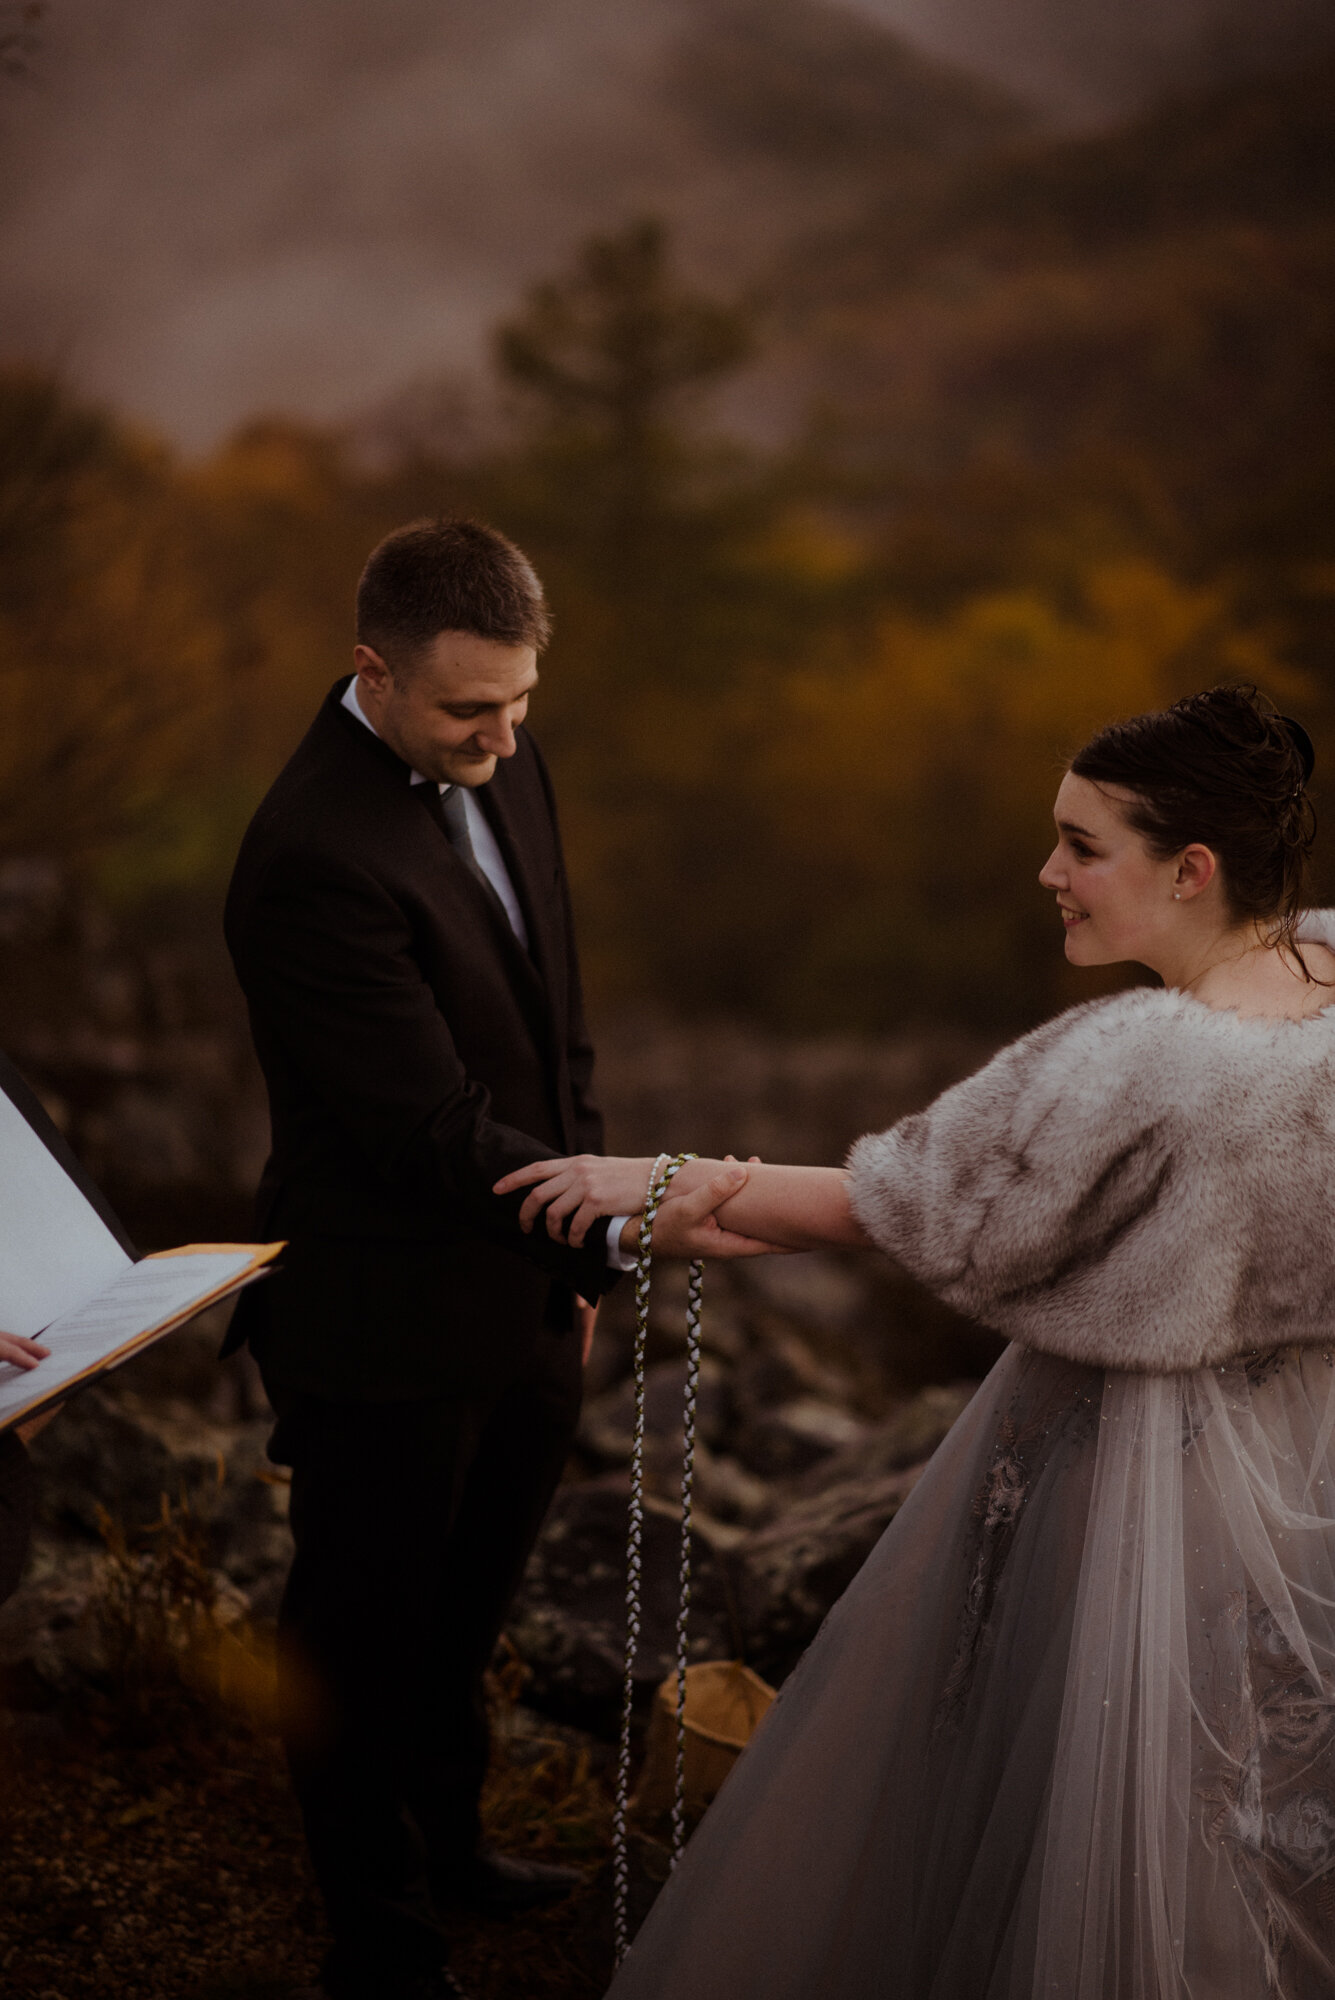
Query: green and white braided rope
x,y
663,1172
694,1294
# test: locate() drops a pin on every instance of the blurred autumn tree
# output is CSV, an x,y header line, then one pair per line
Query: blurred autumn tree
x,y
807,707
684,580
110,654
610,360
935,762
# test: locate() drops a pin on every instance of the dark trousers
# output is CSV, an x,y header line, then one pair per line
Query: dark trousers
x,y
18,1505
412,1522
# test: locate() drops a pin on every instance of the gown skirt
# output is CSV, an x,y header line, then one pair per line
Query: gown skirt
x,y
1069,1734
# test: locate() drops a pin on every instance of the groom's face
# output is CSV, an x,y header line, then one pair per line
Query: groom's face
x,y
452,710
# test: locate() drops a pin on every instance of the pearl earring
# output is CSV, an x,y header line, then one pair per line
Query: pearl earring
x,y
1177,895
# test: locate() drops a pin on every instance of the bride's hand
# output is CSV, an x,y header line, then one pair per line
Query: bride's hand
x,y
687,1225
576,1191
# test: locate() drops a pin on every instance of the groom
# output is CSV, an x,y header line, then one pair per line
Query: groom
x,y
400,923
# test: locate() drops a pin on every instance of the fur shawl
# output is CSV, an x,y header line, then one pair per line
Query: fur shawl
x,y
1142,1183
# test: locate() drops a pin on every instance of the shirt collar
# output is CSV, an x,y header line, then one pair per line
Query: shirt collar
x,y
354,707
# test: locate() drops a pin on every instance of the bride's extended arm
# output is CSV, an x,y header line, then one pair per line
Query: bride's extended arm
x,y
792,1208
808,1206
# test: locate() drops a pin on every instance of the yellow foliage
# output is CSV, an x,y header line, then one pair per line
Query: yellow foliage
x,y
282,544
1008,685
109,659
914,787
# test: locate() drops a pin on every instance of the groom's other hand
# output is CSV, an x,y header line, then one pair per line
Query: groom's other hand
x,y
576,1191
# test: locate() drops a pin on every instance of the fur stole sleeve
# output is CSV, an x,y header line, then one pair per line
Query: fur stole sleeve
x,y
1142,1183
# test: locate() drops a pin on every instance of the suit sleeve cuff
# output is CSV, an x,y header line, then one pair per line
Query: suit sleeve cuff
x,y
618,1259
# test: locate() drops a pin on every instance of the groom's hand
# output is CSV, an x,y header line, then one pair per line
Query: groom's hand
x,y
576,1191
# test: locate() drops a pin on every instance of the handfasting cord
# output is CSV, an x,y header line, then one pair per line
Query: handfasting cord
x,y
663,1172
634,1537
694,1293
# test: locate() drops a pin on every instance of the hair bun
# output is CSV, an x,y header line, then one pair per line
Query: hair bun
x,y
1302,743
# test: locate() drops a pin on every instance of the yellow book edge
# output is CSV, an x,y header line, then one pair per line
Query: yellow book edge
x,y
261,1254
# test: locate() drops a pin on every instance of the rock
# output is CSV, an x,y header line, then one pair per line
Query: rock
x,y
780,1442
908,1435
106,1457
96,1455
791,1573
782,1366
605,1427
47,1634
728,1493
814,1288
113,1461
721,1331
63,1629
569,1624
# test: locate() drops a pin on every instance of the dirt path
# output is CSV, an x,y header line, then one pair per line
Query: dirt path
x,y
172,1869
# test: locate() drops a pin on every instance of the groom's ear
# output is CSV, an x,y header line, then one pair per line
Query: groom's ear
x,y
371,668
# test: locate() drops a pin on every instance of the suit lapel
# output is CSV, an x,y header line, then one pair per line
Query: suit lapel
x,y
522,848
537,974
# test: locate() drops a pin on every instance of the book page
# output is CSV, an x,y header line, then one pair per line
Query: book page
x,y
140,1297
55,1250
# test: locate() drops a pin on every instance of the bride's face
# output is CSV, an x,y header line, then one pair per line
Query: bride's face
x,y
1117,900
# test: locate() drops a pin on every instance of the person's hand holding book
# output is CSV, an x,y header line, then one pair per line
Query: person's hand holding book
x,y
23,1353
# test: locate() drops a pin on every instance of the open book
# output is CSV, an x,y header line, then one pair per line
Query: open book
x,y
70,1277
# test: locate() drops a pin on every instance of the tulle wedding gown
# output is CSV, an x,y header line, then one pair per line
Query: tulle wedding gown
x,y
1070,1733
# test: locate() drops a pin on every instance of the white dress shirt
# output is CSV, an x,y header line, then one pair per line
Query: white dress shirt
x,y
492,863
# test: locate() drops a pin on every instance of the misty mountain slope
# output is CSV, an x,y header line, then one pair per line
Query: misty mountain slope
x,y
205,211
823,90
1258,153
1093,61
1165,292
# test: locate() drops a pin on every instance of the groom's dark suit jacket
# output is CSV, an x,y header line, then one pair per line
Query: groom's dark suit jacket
x,y
414,1052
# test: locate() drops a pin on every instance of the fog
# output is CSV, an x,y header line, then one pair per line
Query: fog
x,y
1089,60
212,211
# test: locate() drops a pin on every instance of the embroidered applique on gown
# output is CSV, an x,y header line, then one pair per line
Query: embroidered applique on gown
x,y
1069,1734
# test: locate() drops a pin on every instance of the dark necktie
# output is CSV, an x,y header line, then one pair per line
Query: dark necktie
x,y
455,815
448,810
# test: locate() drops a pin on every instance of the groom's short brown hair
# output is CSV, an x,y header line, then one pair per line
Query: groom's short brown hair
x,y
448,576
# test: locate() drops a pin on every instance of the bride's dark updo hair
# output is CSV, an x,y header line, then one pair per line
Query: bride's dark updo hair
x,y
1225,770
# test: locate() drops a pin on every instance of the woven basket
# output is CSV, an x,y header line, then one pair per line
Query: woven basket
x,y
724,1704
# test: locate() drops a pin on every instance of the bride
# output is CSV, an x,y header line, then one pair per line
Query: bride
x,y
1071,1731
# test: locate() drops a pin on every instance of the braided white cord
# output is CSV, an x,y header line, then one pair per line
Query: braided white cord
x,y
694,1295
662,1172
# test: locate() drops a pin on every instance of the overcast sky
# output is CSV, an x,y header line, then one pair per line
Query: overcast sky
x,y
210,208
